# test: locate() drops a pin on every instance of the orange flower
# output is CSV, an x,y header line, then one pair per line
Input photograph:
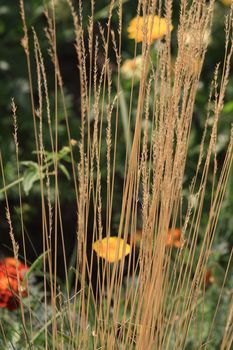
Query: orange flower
x,y
174,238
208,277
135,238
9,288
111,249
8,293
9,266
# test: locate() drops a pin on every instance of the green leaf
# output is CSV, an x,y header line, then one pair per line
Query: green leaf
x,y
30,164
228,108
30,176
46,154
64,170
36,265
46,325
63,152
105,11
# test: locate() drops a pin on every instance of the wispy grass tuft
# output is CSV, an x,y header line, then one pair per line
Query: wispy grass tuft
x,y
155,298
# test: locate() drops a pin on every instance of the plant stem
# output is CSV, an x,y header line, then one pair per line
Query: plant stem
x,y
12,184
125,121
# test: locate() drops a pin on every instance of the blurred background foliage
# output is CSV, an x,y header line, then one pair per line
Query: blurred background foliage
x,y
14,83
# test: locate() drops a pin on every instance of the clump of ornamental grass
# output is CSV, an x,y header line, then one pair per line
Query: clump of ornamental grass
x,y
150,289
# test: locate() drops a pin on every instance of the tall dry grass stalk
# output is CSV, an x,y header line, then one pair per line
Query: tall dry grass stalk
x,y
157,303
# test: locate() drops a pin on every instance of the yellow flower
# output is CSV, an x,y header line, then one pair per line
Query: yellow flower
x,y
226,2
148,28
132,67
111,248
